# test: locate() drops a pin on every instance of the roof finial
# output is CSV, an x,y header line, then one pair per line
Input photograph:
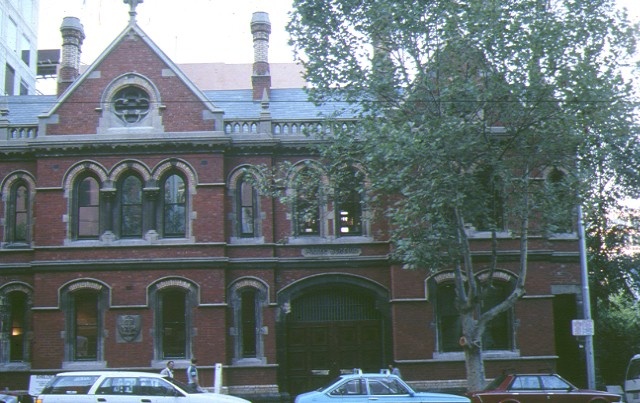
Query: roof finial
x,y
132,12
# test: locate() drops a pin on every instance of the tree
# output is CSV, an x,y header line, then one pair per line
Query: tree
x,y
463,107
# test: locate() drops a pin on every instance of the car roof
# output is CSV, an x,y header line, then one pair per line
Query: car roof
x,y
110,373
367,375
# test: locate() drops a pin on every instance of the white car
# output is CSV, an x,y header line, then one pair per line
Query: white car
x,y
124,386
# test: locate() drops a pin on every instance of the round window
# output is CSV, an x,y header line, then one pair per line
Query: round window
x,y
131,104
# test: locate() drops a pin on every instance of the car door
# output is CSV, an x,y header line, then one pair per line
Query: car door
x,y
352,391
387,390
558,390
527,389
135,389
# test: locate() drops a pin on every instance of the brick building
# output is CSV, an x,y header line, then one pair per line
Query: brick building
x,y
130,236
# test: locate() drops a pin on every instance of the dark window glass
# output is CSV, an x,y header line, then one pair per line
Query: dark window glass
x,y
497,335
131,208
174,325
86,325
88,215
248,297
20,224
349,203
9,80
174,207
18,321
247,207
307,210
560,209
350,214
490,211
449,326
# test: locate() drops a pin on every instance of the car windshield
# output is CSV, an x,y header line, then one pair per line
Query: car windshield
x,y
328,384
184,386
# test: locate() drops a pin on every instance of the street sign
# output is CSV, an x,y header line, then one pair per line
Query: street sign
x,y
582,327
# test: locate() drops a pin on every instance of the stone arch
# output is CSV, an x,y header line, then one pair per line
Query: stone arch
x,y
81,168
109,122
339,312
128,166
183,167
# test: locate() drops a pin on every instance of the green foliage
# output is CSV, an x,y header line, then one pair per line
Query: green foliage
x,y
617,336
464,108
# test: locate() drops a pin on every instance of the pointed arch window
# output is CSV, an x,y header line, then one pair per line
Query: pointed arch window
x,y
559,210
87,212
349,202
130,203
489,204
247,208
18,228
174,207
308,203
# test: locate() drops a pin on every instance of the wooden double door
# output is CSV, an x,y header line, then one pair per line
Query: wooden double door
x,y
332,333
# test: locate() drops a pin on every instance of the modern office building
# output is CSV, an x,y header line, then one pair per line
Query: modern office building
x,y
18,46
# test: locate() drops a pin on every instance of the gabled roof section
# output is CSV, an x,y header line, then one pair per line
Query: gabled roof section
x,y
134,29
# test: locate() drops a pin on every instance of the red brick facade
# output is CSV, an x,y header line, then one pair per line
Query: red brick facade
x,y
211,265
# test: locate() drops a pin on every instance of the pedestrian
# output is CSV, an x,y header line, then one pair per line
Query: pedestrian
x,y
168,370
395,371
192,375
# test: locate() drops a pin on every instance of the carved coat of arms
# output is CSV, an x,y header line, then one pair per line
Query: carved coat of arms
x,y
129,327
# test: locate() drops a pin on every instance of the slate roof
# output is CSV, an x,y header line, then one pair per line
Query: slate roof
x,y
284,104
24,109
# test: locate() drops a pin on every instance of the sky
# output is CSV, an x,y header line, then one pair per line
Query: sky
x,y
188,31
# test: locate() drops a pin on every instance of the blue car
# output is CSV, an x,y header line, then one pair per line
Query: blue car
x,y
382,388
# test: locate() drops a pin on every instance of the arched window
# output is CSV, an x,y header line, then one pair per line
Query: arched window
x,y
308,203
448,319
84,304
173,302
248,296
349,201
173,323
85,325
18,224
174,207
87,211
130,207
499,333
247,209
18,320
489,207
559,209
14,341
249,324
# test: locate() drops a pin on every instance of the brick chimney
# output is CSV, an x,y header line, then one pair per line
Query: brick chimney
x,y
72,37
261,78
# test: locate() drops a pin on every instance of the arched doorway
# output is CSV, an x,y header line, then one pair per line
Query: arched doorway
x,y
332,324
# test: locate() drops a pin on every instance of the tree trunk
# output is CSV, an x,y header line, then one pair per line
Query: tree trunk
x,y
475,366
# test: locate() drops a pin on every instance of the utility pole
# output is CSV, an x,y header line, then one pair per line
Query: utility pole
x,y
586,305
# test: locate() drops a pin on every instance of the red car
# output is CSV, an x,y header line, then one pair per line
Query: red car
x,y
538,388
